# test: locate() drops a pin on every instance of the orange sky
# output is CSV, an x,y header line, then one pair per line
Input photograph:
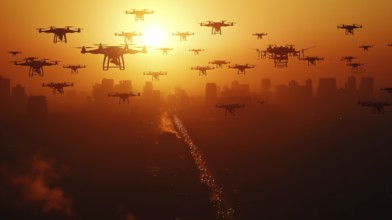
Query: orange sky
x,y
303,23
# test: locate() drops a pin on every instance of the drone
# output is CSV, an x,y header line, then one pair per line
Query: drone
x,y
123,97
219,63
60,34
348,59
366,47
155,75
259,35
164,49
183,35
202,69
128,36
112,55
389,45
378,107
57,87
349,29
355,66
241,68
35,65
216,26
74,68
312,59
139,14
388,89
280,54
229,108
14,53
196,51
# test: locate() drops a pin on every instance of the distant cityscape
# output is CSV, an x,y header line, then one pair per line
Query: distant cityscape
x,y
17,102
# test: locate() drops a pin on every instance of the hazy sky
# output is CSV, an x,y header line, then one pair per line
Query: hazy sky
x,y
304,23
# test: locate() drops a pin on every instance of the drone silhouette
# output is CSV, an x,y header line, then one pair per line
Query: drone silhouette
x,y
348,59
219,63
139,14
216,27
164,49
312,59
388,89
280,54
349,29
123,97
202,69
60,34
355,66
196,51
128,36
183,35
229,108
378,107
14,53
389,45
155,75
35,65
259,35
365,47
112,55
74,68
241,68
57,87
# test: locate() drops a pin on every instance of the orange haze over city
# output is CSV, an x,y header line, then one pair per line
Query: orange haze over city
x,y
291,126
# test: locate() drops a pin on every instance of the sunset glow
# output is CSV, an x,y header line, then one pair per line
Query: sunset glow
x,y
195,109
154,36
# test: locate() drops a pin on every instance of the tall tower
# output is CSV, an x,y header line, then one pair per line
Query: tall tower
x,y
366,88
265,88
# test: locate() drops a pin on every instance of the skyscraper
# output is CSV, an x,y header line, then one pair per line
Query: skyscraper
x,y
124,86
366,88
19,100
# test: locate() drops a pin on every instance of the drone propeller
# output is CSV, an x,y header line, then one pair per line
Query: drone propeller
x,y
308,48
83,47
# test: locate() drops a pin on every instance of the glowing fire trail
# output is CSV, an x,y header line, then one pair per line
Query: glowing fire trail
x,y
223,210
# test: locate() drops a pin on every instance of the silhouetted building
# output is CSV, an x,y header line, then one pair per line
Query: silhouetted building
x,y
350,85
151,97
19,100
37,106
18,92
265,88
211,93
107,85
5,89
366,88
124,86
237,93
101,91
294,93
327,89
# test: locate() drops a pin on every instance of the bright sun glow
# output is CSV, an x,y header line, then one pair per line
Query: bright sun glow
x,y
153,37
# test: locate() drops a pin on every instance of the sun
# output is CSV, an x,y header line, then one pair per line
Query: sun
x,y
153,36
